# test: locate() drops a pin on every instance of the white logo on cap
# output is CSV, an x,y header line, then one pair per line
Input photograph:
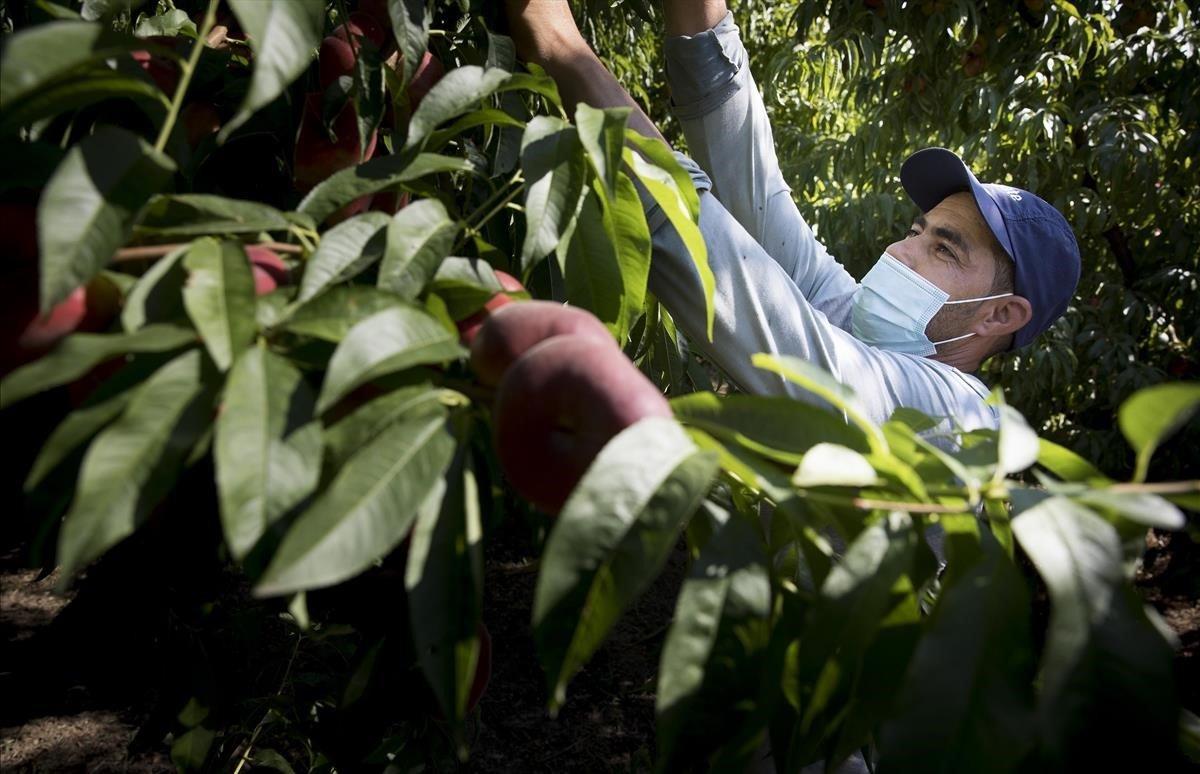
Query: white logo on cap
x,y
1012,194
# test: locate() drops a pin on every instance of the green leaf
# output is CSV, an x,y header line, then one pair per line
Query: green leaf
x,y
88,207
633,244
465,284
823,385
76,355
1148,510
829,464
444,579
267,447
384,343
1105,668
283,34
458,91
611,540
591,266
1151,415
331,315
40,54
345,250
219,297
410,26
367,509
418,238
967,703
79,427
663,185
853,603
172,23
1018,443
602,133
134,461
190,750
103,405
481,117
1066,464
186,215
78,91
157,296
780,428
661,156
1078,555
714,647
373,176
555,174
356,430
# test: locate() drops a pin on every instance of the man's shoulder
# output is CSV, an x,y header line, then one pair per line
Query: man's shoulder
x,y
941,390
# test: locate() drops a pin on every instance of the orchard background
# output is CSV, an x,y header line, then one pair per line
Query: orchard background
x,y
246,243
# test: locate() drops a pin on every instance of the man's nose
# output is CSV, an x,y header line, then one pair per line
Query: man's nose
x,y
902,251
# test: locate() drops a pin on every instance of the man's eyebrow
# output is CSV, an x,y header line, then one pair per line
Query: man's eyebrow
x,y
950,235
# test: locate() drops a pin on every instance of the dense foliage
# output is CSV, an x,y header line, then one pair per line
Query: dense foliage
x,y
1092,105
316,437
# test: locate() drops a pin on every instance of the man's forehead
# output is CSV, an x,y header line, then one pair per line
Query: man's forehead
x,y
960,213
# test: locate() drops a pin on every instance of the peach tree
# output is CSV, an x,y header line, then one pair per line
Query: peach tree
x,y
245,240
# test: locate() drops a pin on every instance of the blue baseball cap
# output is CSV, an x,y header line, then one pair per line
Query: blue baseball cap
x,y
1036,236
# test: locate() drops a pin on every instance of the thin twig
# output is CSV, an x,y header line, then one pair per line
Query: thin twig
x,y
189,67
158,251
1159,487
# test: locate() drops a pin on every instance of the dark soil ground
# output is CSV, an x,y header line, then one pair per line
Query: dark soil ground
x,y
607,723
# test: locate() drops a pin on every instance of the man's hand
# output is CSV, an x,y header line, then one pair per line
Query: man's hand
x,y
544,31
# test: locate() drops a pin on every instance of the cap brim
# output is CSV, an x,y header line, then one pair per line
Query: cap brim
x,y
932,174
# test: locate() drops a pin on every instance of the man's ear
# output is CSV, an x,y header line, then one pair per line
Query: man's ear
x,y
1006,315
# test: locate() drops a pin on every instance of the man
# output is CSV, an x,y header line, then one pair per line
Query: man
x,y
985,268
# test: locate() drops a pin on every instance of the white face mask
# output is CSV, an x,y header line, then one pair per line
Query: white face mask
x,y
893,304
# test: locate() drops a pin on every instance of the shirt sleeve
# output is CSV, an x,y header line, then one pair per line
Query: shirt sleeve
x,y
759,309
728,133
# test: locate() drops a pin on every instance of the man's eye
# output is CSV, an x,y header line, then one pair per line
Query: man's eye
x,y
911,232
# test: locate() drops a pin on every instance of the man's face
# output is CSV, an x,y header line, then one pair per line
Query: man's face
x,y
951,246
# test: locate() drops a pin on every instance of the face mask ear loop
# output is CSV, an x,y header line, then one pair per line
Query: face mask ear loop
x,y
956,338
973,300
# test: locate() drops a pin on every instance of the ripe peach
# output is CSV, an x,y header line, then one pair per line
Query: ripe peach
x,y
335,58
468,327
556,408
269,269
510,331
429,71
364,26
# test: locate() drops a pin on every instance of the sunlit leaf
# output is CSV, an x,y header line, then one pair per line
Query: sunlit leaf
x,y
611,540
345,250
267,448
1153,414
373,176
552,160
454,94
384,343
366,510
219,297
418,238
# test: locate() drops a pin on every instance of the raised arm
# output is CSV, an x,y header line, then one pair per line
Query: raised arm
x,y
728,133
545,33
689,17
